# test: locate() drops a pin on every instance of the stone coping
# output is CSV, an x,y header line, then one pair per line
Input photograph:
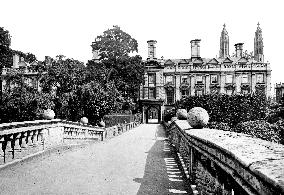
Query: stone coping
x,y
16,127
265,159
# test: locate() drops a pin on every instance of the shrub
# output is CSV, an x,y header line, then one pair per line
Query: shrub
x,y
219,125
260,129
197,117
181,114
169,114
228,109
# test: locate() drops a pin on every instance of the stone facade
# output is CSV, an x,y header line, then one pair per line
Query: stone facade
x,y
169,80
29,72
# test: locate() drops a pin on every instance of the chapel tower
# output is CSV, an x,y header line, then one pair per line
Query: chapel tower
x,y
258,45
224,43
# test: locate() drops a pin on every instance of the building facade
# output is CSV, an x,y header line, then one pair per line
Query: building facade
x,y
166,81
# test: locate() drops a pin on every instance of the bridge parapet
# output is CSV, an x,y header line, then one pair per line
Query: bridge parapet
x,y
22,139
228,162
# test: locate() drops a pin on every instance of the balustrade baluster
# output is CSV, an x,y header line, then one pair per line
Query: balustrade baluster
x,y
40,139
9,152
24,146
30,142
17,146
2,154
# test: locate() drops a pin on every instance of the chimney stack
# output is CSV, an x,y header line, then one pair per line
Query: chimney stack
x,y
239,49
152,50
195,48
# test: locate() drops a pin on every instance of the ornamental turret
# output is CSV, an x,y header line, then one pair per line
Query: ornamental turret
x,y
224,43
258,45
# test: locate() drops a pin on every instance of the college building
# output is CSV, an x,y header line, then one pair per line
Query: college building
x,y
169,80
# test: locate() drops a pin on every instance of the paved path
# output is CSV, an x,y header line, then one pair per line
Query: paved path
x,y
139,161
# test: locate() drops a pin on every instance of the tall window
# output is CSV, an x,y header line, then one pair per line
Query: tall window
x,y
170,96
214,79
169,79
199,79
259,78
152,78
184,79
229,91
152,93
184,93
244,78
229,78
199,92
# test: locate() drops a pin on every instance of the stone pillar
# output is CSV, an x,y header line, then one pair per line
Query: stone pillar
x,y
24,146
2,154
207,84
177,90
17,146
222,83
9,152
192,84
238,82
253,82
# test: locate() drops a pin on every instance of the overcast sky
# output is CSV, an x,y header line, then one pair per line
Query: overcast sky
x,y
68,27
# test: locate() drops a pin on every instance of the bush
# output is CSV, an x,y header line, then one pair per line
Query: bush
x,y
112,120
220,126
197,117
169,114
260,129
181,114
228,109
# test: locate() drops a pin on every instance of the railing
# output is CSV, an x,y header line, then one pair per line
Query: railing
x,y
19,140
222,162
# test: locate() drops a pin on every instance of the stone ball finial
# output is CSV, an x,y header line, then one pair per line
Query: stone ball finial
x,y
84,120
181,114
48,114
197,117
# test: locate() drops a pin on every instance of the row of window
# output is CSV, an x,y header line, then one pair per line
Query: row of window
x,y
214,79
185,93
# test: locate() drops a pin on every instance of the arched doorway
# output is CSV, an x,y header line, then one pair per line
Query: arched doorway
x,y
152,115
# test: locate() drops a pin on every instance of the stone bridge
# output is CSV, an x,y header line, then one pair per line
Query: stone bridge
x,y
62,157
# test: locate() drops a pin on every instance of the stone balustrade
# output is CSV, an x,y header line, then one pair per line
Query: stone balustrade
x,y
22,139
223,162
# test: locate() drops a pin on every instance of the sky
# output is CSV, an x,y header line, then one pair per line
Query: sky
x,y
68,27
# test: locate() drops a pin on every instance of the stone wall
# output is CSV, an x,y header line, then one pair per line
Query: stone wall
x,y
222,162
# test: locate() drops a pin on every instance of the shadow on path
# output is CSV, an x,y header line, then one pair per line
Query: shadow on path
x,y
156,180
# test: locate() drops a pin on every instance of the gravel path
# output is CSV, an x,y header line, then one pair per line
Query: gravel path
x,y
139,161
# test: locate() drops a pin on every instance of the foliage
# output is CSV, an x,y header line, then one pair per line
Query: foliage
x,y
63,76
169,114
23,103
116,64
219,125
228,109
114,44
260,129
197,117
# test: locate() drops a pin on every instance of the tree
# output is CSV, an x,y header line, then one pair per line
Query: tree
x,y
113,46
5,53
116,64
